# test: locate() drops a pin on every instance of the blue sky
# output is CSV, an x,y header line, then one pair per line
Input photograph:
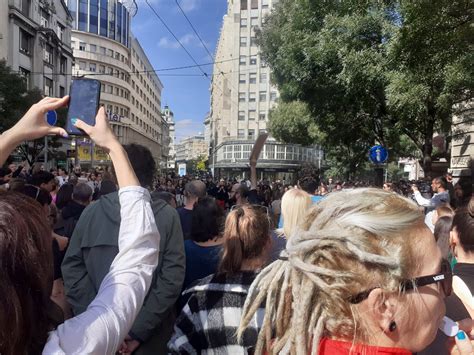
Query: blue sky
x,y
187,96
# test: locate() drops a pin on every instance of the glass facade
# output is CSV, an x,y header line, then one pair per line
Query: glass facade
x,y
107,18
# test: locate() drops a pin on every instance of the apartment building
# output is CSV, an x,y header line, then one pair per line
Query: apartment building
x,y
191,148
168,115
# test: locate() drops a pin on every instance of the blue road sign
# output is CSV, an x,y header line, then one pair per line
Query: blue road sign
x,y
378,154
51,117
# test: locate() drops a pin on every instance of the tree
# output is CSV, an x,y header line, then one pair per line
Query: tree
x,y
347,61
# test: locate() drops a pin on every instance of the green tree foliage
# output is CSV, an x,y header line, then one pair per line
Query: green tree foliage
x,y
357,68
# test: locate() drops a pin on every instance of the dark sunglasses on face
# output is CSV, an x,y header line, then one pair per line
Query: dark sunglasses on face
x,y
444,277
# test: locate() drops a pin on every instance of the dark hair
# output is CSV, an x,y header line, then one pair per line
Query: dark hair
x,y
142,163
4,172
207,220
463,222
163,195
38,194
441,234
246,233
64,195
82,192
242,190
465,184
442,181
309,185
41,177
106,187
27,313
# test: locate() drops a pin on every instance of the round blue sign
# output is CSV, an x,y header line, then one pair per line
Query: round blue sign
x,y
378,154
51,117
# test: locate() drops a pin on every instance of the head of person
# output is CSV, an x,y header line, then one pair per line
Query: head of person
x,y
239,193
309,185
107,187
449,177
166,196
43,179
462,231
388,186
441,211
246,239
439,184
294,206
38,194
441,233
323,190
62,172
353,267
463,191
77,171
26,311
207,220
82,194
64,195
194,190
142,163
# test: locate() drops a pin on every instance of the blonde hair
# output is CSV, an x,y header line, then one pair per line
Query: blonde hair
x,y
294,206
349,242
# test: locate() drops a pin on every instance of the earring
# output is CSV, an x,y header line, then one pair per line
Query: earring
x,y
392,326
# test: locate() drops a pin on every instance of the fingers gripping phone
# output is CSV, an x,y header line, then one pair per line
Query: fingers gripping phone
x,y
83,104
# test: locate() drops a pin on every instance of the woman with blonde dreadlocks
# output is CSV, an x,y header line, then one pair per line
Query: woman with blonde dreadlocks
x,y
363,276
208,322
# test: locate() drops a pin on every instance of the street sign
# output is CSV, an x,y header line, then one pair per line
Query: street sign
x,y
378,154
51,117
181,169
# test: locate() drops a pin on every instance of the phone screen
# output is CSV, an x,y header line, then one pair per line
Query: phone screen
x,y
84,103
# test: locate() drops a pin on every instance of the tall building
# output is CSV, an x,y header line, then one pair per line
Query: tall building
x,y
169,118
241,98
191,148
106,50
35,40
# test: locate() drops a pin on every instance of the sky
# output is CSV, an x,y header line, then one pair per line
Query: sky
x,y
187,96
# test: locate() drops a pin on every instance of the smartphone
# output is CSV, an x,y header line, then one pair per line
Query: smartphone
x,y
83,103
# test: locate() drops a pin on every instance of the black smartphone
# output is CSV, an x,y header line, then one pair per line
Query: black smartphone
x,y
83,103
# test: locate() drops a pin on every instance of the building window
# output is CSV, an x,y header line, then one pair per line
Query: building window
x,y
253,60
92,48
48,54
252,114
251,134
92,67
252,97
63,65
243,41
110,89
264,4
44,18
241,115
263,78
253,41
262,96
60,31
242,60
243,22
241,96
25,74
110,71
62,91
254,21
262,131
254,4
102,50
25,7
116,91
243,5
253,78
82,65
82,46
102,69
242,79
25,42
262,115
48,86
273,96
241,133
110,53
117,55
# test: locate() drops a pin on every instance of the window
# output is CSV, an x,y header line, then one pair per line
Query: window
x,y
73,44
264,4
262,115
251,134
62,91
242,79
110,53
110,70
92,67
102,88
25,7
25,74
253,78
241,96
254,4
262,96
48,86
243,41
44,18
243,4
82,46
273,96
25,42
92,48
253,60
63,65
262,131
254,21
110,89
102,69
252,97
60,31
241,116
263,78
117,55
242,60
253,41
48,54
103,50
82,65
243,22
116,73
116,91
252,114
241,133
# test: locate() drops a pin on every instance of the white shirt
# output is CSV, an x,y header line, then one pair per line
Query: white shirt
x,y
108,319
434,202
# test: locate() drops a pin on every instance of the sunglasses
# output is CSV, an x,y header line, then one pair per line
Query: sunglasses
x,y
445,278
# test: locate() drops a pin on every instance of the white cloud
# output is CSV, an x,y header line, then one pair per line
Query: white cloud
x,y
184,123
189,5
187,128
187,39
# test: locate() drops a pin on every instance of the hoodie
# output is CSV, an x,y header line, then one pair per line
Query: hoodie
x,y
94,245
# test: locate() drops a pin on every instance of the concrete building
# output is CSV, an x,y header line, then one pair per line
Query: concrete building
x,y
35,40
106,50
169,118
462,144
241,98
191,148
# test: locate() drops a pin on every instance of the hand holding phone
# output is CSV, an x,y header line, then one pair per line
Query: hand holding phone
x,y
83,105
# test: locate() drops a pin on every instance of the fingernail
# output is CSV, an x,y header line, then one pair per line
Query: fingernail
x,y
73,121
65,135
461,335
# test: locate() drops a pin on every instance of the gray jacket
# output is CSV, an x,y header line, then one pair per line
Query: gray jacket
x,y
93,247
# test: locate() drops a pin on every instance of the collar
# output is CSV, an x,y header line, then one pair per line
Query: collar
x,y
339,347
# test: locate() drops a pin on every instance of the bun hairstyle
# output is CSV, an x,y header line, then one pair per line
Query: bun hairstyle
x,y
463,223
246,234
349,242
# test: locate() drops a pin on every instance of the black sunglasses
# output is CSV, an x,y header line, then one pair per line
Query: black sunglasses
x,y
445,277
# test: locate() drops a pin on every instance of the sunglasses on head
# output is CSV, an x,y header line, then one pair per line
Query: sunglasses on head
x,y
444,277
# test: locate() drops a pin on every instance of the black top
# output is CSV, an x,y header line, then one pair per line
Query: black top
x,y
186,218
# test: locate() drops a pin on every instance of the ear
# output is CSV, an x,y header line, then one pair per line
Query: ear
x,y
381,307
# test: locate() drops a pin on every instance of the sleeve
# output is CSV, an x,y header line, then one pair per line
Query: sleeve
x,y
80,290
185,330
421,200
107,320
166,287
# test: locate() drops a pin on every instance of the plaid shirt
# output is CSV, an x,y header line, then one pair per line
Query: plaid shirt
x,y
208,323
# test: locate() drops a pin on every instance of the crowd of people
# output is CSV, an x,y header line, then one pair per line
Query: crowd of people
x,y
116,260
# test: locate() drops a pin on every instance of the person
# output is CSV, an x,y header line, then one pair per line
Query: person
x,y
93,247
388,186
29,320
43,179
441,195
432,216
193,191
239,194
62,176
442,228
64,195
311,185
463,191
221,194
347,282
166,196
209,320
276,206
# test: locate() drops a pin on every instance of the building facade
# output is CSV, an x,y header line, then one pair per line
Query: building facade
x,y
191,148
106,50
242,96
169,118
35,40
